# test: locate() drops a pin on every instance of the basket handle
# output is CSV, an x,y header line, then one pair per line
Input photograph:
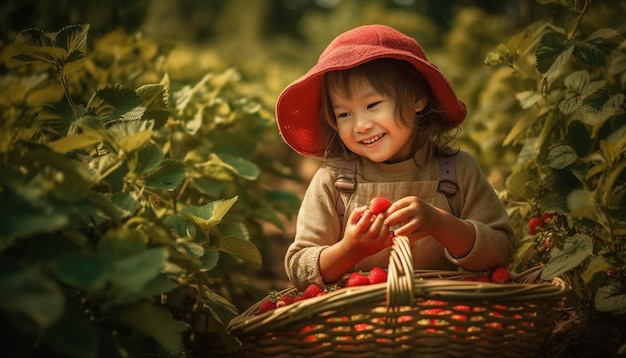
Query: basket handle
x,y
400,281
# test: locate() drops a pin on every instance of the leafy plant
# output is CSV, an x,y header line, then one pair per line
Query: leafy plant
x,y
569,178
126,219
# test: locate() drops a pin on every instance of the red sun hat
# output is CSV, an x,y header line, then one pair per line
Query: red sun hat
x,y
298,109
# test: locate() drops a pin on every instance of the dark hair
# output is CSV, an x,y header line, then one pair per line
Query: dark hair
x,y
397,79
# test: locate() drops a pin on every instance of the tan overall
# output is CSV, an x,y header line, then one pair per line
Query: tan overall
x,y
428,253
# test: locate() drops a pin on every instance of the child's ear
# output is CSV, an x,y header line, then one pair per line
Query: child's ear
x,y
420,104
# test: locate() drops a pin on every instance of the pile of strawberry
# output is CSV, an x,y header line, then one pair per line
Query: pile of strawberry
x,y
276,300
498,275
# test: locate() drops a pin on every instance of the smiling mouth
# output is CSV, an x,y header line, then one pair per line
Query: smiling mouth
x,y
372,139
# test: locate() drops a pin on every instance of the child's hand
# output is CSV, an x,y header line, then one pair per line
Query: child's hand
x,y
412,217
366,233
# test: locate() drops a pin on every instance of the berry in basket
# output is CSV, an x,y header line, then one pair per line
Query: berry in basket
x,y
377,275
276,300
500,275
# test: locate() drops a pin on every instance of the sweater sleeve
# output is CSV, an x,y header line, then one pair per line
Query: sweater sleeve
x,y
495,239
317,227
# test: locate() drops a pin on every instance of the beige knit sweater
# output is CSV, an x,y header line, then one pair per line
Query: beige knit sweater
x,y
318,225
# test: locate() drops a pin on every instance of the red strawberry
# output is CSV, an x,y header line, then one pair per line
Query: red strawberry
x,y
500,275
285,300
268,304
533,224
312,290
379,205
357,279
300,297
482,279
545,217
377,275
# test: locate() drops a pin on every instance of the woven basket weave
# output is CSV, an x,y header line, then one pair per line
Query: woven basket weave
x,y
415,313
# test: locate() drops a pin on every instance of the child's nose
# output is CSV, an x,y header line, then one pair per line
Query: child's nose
x,y
362,123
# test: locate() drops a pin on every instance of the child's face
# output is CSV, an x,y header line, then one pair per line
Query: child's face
x,y
368,124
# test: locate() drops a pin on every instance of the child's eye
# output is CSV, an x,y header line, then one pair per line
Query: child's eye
x,y
372,105
342,115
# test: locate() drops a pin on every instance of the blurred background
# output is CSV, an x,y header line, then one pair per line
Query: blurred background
x,y
273,42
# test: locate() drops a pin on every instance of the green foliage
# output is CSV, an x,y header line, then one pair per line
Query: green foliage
x,y
570,130
128,214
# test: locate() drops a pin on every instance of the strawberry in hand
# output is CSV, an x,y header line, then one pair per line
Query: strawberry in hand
x,y
379,205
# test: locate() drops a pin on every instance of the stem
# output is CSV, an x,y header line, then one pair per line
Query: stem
x,y
66,91
579,19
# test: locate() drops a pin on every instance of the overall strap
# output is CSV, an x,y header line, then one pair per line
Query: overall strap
x,y
346,185
447,180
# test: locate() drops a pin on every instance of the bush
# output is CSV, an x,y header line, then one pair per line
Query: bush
x,y
566,192
134,215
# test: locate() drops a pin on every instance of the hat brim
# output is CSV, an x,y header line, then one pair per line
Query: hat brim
x,y
298,108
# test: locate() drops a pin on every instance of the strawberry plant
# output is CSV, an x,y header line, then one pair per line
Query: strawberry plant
x,y
566,193
132,210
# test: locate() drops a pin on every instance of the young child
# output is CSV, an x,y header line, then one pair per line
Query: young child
x,y
374,100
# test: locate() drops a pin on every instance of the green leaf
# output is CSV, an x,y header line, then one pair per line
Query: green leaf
x,y
33,45
191,248
82,271
575,250
168,175
244,168
93,127
133,142
154,99
596,265
217,209
148,157
516,183
221,309
73,38
121,243
561,156
117,206
595,50
35,37
209,260
28,55
598,118
180,225
26,292
552,45
209,186
241,249
208,216
19,217
156,322
115,102
130,275
74,142
234,228
580,204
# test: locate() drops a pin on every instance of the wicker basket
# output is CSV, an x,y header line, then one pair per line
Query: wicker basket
x,y
416,313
